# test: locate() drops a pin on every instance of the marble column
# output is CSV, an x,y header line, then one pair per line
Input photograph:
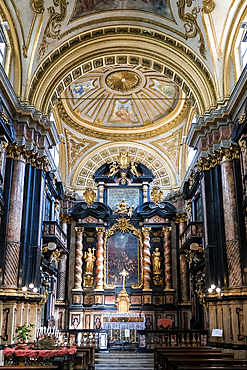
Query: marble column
x,y
184,278
167,257
145,193
99,258
62,278
78,258
101,193
146,258
181,220
230,216
15,220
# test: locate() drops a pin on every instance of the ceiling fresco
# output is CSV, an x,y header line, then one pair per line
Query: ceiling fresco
x,y
122,96
86,7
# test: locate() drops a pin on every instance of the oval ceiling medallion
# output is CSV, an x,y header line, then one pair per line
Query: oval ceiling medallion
x,y
123,81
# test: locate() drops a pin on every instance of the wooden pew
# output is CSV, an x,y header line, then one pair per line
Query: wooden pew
x,y
174,364
161,353
86,357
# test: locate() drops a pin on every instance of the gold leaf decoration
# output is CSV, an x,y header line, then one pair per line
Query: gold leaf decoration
x,y
123,80
190,23
38,6
208,6
53,26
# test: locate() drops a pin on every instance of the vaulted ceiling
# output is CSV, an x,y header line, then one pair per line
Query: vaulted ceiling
x,y
123,74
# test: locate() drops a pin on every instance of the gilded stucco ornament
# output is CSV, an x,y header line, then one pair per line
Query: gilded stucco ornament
x,y
190,23
208,6
89,196
53,26
38,6
123,81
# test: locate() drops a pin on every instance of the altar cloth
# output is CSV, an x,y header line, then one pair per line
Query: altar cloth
x,y
124,321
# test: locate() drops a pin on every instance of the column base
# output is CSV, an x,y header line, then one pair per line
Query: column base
x,y
147,290
99,290
169,290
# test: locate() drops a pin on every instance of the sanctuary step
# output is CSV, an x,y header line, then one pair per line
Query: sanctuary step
x,y
124,361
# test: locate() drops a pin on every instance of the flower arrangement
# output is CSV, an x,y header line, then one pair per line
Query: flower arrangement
x,y
23,331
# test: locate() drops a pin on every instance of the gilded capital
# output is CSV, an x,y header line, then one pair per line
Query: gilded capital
x,y
100,230
228,154
166,230
146,230
17,152
79,231
180,217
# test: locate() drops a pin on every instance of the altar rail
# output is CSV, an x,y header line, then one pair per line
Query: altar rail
x,y
83,337
149,339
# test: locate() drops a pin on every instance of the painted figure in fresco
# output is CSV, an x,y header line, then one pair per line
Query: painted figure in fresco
x,y
97,323
156,261
89,259
85,5
75,323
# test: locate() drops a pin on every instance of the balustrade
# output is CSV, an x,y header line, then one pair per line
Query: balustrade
x,y
149,339
52,232
193,233
83,337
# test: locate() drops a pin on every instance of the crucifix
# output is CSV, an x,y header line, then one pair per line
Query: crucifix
x,y
93,249
124,274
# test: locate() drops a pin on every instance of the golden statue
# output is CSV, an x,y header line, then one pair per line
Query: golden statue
x,y
89,259
88,281
123,160
113,169
156,261
133,169
89,196
122,207
130,211
156,195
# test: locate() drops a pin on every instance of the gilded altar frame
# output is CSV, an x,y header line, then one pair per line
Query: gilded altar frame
x,y
124,226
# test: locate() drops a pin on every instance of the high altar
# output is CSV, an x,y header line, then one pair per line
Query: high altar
x,y
123,251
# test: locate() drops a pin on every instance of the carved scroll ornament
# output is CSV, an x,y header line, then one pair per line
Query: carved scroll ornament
x,y
190,23
53,26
